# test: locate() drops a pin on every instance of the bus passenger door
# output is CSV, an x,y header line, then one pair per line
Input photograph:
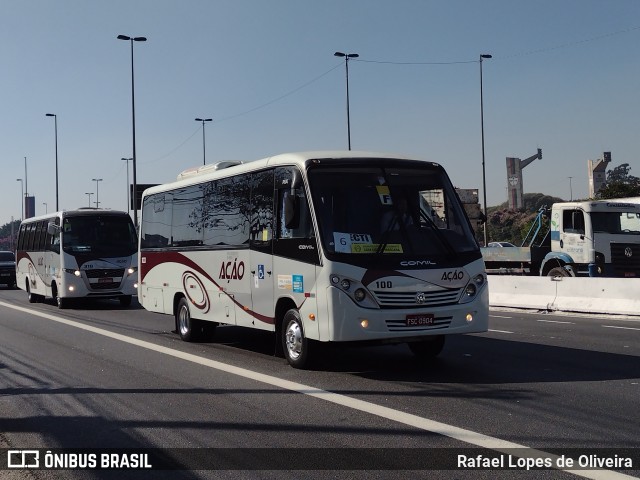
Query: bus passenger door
x,y
261,258
295,251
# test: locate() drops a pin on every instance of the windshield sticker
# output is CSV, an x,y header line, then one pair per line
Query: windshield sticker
x,y
384,194
373,248
344,241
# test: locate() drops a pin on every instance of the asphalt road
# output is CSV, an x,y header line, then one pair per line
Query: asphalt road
x,y
102,377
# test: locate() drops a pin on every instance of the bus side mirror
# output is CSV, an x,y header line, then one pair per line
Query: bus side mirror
x,y
53,229
291,211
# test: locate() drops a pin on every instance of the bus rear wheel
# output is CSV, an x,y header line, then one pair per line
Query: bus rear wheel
x,y
297,348
189,329
428,348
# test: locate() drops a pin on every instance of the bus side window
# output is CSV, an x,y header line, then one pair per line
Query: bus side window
x,y
54,240
294,218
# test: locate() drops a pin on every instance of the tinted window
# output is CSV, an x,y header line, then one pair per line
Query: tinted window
x,y
225,213
262,209
7,257
187,216
156,221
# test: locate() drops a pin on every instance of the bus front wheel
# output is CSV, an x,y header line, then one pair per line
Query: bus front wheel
x,y
297,348
125,300
33,298
429,348
60,302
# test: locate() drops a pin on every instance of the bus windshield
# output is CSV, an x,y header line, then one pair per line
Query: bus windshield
x,y
100,235
401,211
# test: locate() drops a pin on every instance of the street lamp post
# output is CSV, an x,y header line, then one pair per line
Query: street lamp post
x,y
347,56
128,200
55,118
97,195
570,190
21,198
204,157
133,118
89,194
484,178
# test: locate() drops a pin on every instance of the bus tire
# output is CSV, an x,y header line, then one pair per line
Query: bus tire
x,y
188,328
428,348
296,347
125,300
32,297
61,303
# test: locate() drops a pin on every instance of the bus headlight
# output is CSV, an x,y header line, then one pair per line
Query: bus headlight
x,y
355,290
470,290
132,270
72,271
473,287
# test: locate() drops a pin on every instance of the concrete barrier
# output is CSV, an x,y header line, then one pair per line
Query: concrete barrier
x,y
586,295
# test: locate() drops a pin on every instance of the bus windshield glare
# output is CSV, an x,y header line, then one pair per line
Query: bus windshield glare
x,y
397,211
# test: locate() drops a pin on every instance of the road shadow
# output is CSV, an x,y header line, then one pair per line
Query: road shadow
x,y
465,359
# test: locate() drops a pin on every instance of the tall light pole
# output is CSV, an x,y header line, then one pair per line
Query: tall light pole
x,y
55,118
204,157
21,198
128,200
97,195
89,194
26,184
133,118
570,190
484,177
347,56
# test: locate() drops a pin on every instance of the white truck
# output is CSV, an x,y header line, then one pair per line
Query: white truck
x,y
587,239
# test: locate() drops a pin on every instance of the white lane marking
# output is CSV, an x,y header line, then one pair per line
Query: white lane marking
x,y
623,328
461,434
555,321
500,331
499,316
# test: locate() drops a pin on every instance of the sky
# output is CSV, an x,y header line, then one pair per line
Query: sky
x,y
564,77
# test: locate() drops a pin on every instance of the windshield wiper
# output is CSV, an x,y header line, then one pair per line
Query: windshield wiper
x,y
441,238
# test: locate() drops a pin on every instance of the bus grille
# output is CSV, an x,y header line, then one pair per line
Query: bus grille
x,y
105,272
401,325
105,278
439,298
625,259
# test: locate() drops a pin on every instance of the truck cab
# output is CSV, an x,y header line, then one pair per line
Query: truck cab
x,y
597,238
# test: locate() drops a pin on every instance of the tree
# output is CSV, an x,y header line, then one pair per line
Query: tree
x,y
620,184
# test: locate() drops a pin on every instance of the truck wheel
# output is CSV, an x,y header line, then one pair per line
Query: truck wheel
x,y
558,272
297,348
429,348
